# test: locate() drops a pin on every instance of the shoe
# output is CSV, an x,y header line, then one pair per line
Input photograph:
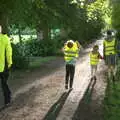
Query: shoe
x,y
66,86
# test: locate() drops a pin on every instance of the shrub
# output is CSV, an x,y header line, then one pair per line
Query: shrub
x,y
19,57
41,48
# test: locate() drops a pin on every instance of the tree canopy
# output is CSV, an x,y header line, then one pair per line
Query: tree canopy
x,y
81,19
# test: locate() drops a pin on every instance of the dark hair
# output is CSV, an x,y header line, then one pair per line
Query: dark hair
x,y
109,32
70,44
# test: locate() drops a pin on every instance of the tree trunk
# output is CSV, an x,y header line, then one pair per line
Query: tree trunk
x,y
19,34
4,23
39,33
43,32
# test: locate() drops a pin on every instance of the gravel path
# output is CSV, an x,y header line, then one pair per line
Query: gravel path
x,y
43,97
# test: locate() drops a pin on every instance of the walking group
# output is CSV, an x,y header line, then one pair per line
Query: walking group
x,y
71,53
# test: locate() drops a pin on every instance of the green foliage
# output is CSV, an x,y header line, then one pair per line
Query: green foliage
x,y
112,99
41,48
20,59
36,62
89,21
83,22
112,102
115,13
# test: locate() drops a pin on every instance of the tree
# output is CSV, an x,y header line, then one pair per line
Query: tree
x,y
115,5
6,7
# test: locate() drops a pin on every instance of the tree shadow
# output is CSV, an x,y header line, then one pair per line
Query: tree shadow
x,y
83,112
55,109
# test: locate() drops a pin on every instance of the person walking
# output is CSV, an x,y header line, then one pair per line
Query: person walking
x,y
94,60
5,65
109,52
70,56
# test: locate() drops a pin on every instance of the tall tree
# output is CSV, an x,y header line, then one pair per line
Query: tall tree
x,y
6,7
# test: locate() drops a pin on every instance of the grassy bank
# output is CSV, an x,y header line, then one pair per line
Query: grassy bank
x,y
112,99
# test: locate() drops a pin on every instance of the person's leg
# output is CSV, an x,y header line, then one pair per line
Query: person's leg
x,y
72,72
95,71
92,72
67,75
113,67
5,88
108,63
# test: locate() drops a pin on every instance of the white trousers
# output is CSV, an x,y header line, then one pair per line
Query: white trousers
x,y
93,70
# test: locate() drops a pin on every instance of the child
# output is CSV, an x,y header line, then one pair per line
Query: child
x,y
70,56
94,59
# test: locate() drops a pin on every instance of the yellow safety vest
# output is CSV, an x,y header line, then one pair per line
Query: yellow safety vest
x,y
5,49
94,58
109,47
70,53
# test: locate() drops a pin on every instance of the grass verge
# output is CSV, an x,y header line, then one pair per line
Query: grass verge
x,y
112,99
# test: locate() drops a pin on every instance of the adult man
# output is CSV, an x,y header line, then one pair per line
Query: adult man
x,y
109,49
5,64
70,55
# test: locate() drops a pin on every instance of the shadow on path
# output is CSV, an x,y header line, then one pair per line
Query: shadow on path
x,y
85,111
55,109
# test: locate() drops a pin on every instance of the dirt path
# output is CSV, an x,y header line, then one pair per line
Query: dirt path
x,y
85,101
43,97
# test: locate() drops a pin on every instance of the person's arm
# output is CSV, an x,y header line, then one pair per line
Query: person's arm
x,y
8,52
100,56
116,46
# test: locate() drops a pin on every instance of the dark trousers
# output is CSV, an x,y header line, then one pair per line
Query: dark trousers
x,y
70,71
6,91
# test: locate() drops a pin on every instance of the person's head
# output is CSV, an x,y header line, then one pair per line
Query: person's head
x,y
109,35
95,48
70,44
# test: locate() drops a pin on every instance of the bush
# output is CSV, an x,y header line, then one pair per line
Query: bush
x,y
41,48
19,57
22,51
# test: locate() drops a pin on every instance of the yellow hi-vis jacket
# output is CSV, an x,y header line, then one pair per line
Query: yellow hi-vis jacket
x,y
109,47
5,52
94,58
70,54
